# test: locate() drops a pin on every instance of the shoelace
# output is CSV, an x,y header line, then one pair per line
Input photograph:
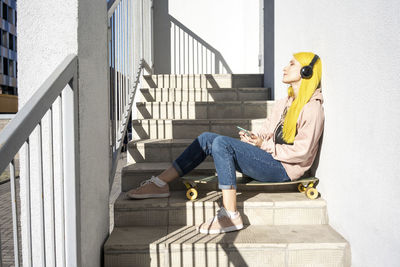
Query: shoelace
x,y
145,182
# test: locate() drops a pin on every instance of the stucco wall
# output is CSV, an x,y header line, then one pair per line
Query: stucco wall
x,y
230,27
48,31
358,42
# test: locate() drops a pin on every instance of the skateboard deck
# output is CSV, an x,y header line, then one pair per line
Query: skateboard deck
x,y
305,185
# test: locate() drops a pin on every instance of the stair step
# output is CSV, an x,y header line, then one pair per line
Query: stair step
x,y
186,129
207,95
257,208
204,110
256,245
133,174
202,80
157,150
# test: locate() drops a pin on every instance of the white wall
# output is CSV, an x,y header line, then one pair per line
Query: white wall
x,y
229,26
48,31
358,42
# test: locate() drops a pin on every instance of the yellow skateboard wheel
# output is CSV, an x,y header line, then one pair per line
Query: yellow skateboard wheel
x,y
301,188
191,194
311,193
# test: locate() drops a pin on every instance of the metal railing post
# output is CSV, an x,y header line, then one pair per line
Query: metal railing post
x,y
28,203
14,213
41,203
71,185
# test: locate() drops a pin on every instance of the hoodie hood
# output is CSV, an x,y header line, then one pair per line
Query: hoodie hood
x,y
317,95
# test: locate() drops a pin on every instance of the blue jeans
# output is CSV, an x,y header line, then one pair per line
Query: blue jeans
x,y
230,155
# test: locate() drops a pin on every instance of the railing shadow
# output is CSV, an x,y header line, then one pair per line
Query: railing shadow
x,y
147,67
184,246
210,95
180,244
178,129
192,54
201,110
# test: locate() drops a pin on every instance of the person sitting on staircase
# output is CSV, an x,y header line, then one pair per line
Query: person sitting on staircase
x,y
283,149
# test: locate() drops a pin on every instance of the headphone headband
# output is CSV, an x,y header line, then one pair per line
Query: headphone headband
x,y
313,61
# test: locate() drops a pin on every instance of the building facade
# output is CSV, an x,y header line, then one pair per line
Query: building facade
x,y
8,51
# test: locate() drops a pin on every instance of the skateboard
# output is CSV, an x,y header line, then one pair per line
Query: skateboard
x,y
304,185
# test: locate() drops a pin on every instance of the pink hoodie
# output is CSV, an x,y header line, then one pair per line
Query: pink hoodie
x,y
296,158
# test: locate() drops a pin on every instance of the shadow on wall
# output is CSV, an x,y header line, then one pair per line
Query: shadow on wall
x,y
178,50
190,54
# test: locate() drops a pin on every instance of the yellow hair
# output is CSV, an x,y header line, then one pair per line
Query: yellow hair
x,y
307,88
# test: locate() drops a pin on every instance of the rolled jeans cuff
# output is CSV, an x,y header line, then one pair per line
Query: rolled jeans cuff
x,y
177,168
226,186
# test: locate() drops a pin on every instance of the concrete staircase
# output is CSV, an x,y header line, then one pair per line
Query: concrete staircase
x,y
282,229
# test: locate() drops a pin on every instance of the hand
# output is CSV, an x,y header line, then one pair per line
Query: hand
x,y
255,140
244,137
252,139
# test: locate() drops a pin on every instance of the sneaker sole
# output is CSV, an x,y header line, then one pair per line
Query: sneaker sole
x,y
142,196
224,230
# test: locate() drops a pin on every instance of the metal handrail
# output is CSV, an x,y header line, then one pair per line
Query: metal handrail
x,y
124,123
126,60
62,84
21,126
111,6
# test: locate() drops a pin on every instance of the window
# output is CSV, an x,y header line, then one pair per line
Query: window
x,y
5,10
11,68
4,39
7,90
10,15
10,41
5,66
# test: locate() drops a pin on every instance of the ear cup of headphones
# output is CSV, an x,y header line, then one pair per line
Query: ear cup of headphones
x,y
306,72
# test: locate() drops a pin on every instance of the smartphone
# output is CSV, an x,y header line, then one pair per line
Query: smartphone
x,y
247,132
